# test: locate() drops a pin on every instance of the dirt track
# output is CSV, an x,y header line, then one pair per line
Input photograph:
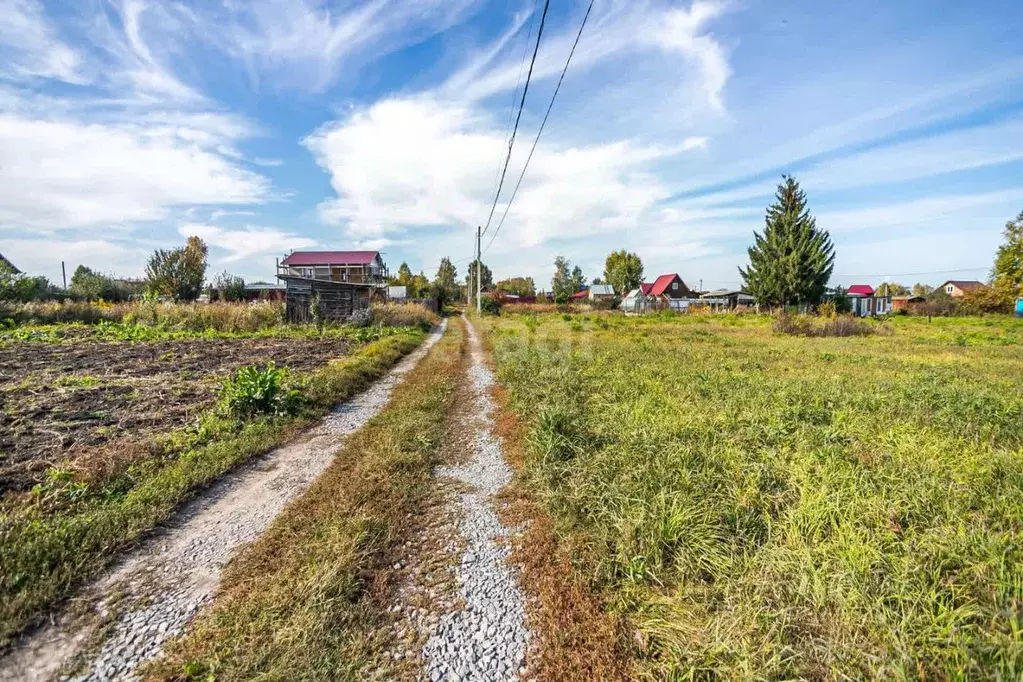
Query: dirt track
x,y
158,588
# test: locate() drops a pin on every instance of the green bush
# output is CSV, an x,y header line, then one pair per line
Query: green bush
x,y
489,305
260,390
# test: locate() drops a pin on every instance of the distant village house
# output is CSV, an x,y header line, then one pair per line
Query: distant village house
x,y
866,303
906,302
667,291
957,288
341,281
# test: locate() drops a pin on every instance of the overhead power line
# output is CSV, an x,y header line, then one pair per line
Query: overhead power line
x,y
518,82
539,132
912,274
518,117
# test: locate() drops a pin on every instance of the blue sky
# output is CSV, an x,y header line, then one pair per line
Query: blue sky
x,y
265,125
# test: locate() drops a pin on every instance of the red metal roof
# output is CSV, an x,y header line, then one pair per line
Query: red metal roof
x,y
661,284
580,294
330,258
861,290
645,288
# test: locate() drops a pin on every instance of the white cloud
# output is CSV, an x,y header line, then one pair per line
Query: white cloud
x,y
246,242
405,164
44,255
67,174
30,46
971,212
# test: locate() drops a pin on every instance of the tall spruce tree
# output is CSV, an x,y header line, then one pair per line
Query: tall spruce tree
x,y
792,261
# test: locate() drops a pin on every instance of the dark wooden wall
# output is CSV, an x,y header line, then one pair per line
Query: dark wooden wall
x,y
338,300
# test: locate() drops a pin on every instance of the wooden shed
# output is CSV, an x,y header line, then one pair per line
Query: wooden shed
x,y
340,282
906,302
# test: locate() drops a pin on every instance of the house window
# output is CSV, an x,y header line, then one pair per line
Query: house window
x,y
674,286
949,289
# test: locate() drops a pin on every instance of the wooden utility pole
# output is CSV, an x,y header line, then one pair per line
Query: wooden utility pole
x,y
63,274
479,271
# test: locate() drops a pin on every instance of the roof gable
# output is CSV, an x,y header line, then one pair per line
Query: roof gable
x,y
662,283
330,258
861,290
7,266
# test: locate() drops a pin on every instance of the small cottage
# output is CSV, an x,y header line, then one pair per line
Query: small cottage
x,y
601,292
866,303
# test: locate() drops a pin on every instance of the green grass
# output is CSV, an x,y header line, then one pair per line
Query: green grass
x,y
120,332
771,507
48,548
305,601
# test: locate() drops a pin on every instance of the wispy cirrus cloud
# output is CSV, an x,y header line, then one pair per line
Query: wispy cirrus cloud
x,y
309,44
31,45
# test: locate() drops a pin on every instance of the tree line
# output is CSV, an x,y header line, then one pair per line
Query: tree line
x,y
177,274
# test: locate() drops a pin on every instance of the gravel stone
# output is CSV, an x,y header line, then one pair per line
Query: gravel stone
x,y
493,609
165,582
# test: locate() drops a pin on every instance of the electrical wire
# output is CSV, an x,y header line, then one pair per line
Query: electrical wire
x,y
912,274
518,82
543,123
518,117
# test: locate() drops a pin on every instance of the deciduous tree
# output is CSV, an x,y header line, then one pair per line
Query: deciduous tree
x,y
445,284
518,286
229,287
1007,274
486,278
178,273
561,283
623,271
792,261
891,289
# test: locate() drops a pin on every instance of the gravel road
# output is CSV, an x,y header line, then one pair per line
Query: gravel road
x,y
153,593
485,637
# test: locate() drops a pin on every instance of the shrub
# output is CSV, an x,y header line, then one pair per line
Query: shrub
x,y
490,305
804,325
260,390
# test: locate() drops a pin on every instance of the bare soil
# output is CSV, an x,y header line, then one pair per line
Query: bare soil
x,y
61,401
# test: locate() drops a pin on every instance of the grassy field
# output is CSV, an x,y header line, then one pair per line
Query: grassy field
x,y
106,428
763,506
